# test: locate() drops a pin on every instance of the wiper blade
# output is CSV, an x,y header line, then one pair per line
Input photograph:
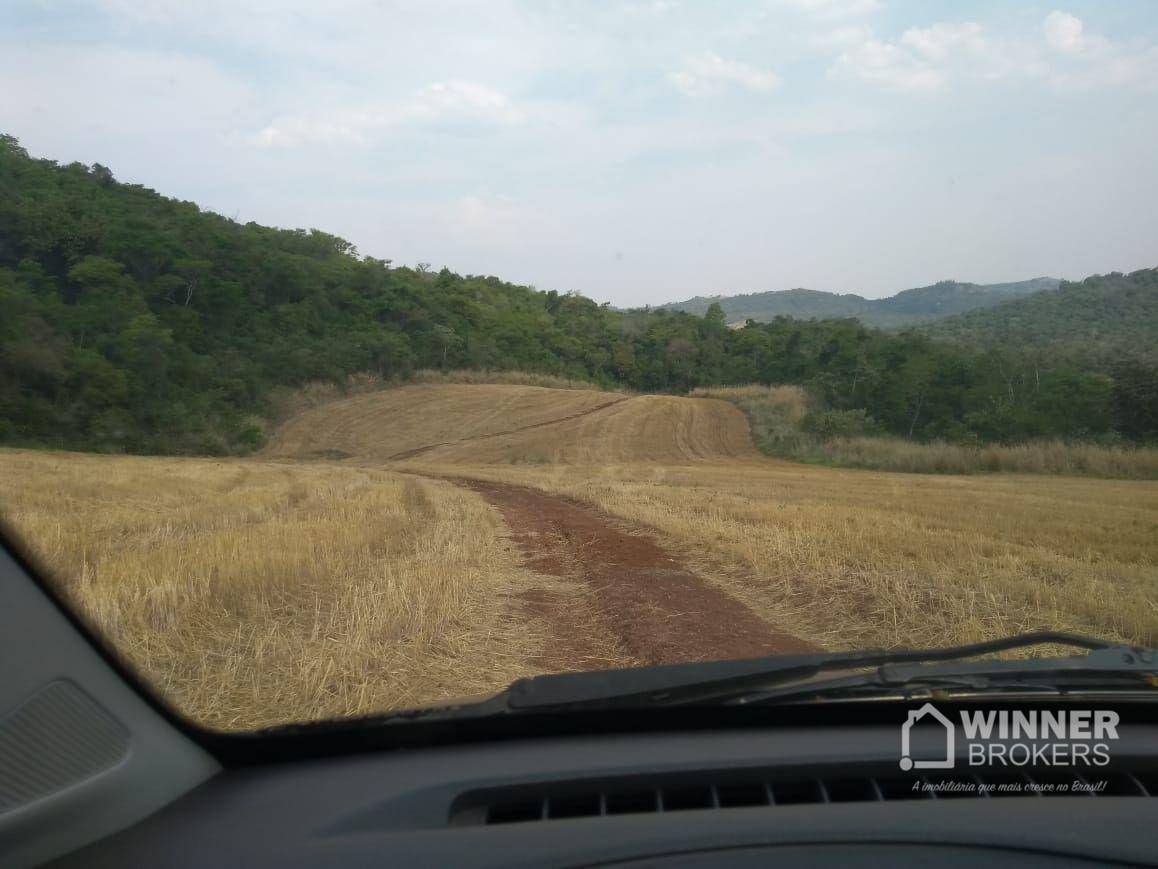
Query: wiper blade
x,y
721,680
1114,668
771,679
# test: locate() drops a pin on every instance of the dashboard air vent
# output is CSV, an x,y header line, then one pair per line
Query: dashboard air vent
x,y
569,800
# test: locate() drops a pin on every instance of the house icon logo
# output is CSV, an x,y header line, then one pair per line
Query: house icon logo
x,y
907,762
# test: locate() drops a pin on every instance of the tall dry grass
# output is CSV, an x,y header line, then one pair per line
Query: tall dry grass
x,y
1036,457
509,378
255,594
775,415
855,559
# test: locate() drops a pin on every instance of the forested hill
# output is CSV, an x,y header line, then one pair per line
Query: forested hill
x,y
1099,319
907,308
133,322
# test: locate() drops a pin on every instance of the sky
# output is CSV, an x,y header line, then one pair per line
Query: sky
x,y
637,152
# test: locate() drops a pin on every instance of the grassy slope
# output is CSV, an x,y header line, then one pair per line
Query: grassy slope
x,y
382,424
511,424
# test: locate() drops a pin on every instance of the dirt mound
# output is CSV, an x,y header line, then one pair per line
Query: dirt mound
x,y
502,424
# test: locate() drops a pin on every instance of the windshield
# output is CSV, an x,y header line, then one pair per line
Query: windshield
x,y
629,334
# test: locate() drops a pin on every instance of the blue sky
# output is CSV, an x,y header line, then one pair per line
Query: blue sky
x,y
639,151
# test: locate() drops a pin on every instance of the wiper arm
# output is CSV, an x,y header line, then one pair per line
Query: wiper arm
x,y
757,680
1112,668
720,680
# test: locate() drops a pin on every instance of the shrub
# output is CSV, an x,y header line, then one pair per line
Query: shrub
x,y
827,424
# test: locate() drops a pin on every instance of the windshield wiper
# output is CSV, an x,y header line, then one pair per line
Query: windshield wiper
x,y
1117,668
755,680
791,678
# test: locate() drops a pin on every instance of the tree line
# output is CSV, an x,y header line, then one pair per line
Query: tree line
x,y
134,322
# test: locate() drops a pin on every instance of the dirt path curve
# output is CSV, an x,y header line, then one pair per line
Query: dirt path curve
x,y
657,611
417,451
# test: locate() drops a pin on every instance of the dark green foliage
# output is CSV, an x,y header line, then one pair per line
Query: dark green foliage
x,y
133,322
1097,320
1135,389
826,424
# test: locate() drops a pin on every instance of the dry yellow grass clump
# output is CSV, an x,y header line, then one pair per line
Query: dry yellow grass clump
x,y
792,400
255,594
853,559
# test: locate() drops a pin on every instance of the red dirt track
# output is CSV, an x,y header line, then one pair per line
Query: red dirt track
x,y
656,610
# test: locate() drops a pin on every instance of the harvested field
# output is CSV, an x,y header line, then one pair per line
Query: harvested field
x,y
414,544
256,594
395,423
500,424
851,559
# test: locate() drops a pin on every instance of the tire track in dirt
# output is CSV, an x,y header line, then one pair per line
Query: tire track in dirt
x,y
654,609
417,451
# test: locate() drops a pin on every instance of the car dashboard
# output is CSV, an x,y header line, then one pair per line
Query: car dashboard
x,y
814,795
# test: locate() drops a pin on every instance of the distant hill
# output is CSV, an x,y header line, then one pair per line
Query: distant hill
x,y
1100,318
907,308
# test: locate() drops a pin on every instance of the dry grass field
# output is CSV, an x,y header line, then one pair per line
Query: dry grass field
x,y
255,594
863,558
513,424
383,425
349,570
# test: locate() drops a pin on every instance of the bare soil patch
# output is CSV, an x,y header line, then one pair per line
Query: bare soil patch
x,y
654,608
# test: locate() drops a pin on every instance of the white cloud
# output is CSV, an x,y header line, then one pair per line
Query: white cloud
x,y
926,59
937,42
1063,32
835,10
464,99
649,7
291,132
439,102
1082,61
889,66
707,73
842,37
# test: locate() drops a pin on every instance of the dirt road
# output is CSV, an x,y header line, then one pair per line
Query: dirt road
x,y
638,599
